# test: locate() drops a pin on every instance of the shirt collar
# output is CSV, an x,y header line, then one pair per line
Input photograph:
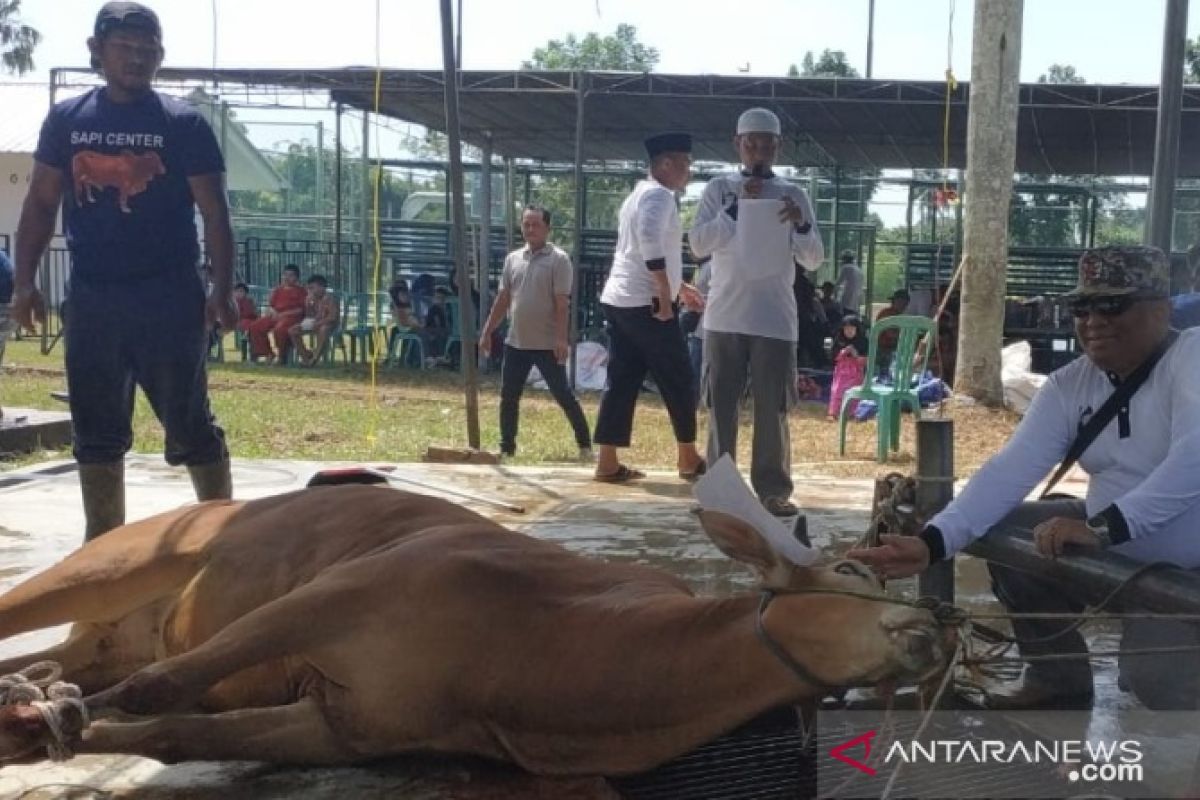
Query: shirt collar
x,y
769,174
530,252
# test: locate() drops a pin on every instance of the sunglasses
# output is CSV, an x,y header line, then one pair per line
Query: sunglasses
x,y
1104,306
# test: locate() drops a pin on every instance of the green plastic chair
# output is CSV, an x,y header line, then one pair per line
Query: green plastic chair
x,y
358,325
891,399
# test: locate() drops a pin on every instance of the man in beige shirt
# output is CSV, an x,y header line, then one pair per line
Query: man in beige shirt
x,y
535,293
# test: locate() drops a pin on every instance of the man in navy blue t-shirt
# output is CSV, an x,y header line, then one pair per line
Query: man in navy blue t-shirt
x,y
129,166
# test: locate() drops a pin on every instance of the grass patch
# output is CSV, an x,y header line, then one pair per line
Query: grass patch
x,y
331,413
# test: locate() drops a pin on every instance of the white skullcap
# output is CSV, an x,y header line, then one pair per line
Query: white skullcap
x,y
758,120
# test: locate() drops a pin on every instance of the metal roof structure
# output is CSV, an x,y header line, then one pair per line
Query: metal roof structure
x,y
1064,129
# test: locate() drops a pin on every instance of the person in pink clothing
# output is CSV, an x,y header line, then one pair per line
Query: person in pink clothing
x,y
849,354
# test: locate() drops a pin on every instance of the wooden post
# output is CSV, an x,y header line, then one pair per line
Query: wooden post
x,y
935,489
991,157
466,308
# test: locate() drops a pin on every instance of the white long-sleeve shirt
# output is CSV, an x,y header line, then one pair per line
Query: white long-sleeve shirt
x,y
648,228
1152,473
761,307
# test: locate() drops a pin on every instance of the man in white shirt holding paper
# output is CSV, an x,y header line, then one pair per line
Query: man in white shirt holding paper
x,y
750,322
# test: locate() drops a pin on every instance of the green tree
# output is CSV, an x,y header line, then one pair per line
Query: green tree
x,y
1191,61
620,50
830,64
793,71
17,41
1061,73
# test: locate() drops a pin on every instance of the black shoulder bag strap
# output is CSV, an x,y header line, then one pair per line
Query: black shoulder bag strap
x,y
1099,421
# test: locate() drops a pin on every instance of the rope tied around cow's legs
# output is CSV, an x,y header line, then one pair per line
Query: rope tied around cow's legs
x,y
38,685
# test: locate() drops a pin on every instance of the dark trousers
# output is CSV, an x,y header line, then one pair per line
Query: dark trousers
x,y
513,375
638,343
1160,682
149,333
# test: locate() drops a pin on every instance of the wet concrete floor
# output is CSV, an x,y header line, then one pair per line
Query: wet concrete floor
x,y
647,522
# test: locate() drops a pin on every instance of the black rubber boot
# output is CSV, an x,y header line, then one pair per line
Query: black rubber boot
x,y
212,481
103,487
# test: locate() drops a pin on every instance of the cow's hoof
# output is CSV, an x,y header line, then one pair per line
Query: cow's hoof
x,y
24,733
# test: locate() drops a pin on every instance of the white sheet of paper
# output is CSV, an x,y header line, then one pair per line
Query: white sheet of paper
x,y
763,243
723,489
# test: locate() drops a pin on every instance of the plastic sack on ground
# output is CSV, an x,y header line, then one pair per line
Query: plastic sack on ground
x,y
591,369
1020,383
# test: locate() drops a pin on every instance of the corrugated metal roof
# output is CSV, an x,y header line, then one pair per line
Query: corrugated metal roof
x,y
875,124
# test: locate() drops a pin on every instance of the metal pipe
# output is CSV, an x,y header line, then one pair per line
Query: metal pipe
x,y
935,489
365,227
1160,216
320,181
337,194
484,258
870,36
580,210
1094,573
466,308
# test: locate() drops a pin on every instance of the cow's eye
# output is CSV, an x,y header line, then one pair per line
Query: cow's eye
x,y
850,568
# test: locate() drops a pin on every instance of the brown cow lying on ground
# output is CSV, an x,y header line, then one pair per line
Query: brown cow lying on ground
x,y
335,625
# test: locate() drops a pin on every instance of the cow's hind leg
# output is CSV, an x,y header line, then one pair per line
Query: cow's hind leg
x,y
291,734
301,621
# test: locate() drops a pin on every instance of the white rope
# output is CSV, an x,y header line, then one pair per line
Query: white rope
x,y
38,685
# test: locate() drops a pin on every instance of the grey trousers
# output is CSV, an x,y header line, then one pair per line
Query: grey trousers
x,y
730,360
1160,682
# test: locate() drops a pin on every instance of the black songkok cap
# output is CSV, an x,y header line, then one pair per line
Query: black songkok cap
x,y
669,143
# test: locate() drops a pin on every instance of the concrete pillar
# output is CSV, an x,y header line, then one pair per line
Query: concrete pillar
x,y
991,157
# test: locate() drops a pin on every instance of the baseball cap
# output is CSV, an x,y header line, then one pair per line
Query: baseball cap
x,y
124,14
1124,270
758,120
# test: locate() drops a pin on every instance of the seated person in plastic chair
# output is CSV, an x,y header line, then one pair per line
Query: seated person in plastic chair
x,y
407,324
285,307
437,325
849,356
321,317
886,348
247,310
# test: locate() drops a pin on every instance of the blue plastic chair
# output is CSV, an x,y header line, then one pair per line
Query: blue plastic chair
x,y
891,398
403,346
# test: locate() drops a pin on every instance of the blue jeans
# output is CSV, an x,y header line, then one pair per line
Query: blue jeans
x,y
149,333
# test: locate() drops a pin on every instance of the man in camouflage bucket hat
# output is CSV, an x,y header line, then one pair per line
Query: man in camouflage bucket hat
x,y
1143,497
1119,271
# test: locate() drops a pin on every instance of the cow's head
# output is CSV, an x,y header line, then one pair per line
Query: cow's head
x,y
741,542
149,165
826,620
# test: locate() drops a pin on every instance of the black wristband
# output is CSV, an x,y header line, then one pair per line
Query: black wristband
x,y
1118,527
656,264
803,229
731,209
933,539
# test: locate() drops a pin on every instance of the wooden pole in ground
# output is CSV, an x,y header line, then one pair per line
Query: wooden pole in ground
x,y
466,309
991,158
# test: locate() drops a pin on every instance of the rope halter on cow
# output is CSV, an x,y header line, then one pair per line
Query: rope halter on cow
x,y
38,685
944,614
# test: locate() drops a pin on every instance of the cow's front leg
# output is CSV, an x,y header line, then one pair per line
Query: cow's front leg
x,y
291,734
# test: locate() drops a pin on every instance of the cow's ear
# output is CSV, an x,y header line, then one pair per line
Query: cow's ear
x,y
739,540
